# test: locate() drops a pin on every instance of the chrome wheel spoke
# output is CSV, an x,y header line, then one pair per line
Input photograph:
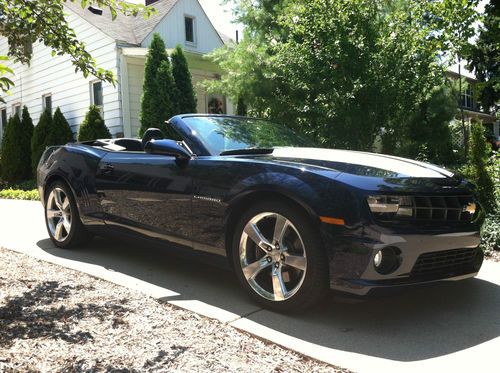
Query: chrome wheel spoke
x,y
65,205
296,261
256,236
59,231
58,198
51,214
280,228
253,269
66,224
279,288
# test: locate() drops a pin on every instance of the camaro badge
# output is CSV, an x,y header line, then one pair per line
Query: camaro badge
x,y
470,208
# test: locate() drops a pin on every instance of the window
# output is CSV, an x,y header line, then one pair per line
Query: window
x,y
189,28
3,122
16,110
96,93
47,102
467,97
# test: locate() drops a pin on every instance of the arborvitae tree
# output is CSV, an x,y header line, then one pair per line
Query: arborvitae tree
x,y
93,126
40,138
152,111
186,98
478,158
14,165
60,132
167,96
25,140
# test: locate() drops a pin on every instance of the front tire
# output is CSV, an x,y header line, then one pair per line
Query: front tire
x,y
62,218
279,258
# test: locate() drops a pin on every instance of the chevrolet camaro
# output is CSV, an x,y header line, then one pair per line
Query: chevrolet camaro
x,y
291,219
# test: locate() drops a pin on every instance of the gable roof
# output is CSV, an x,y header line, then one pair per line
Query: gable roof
x,y
142,27
120,29
127,29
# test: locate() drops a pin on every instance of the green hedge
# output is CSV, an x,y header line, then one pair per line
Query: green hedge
x,y
93,126
31,195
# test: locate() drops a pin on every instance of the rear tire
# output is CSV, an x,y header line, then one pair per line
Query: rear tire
x,y
62,218
279,258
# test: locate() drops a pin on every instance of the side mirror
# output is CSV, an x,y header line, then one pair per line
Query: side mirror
x,y
167,147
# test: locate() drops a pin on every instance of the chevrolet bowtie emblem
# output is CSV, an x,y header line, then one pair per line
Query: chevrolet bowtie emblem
x,y
470,208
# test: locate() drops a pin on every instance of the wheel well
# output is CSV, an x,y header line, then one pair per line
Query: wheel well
x,y
52,179
232,217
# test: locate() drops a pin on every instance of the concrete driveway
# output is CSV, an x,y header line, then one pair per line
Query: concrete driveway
x,y
445,327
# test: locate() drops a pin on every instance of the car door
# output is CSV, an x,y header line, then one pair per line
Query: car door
x,y
147,194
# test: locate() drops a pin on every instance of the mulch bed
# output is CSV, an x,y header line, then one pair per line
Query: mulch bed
x,y
53,319
493,255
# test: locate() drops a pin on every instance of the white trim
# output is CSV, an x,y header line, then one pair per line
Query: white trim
x,y
127,124
14,106
91,89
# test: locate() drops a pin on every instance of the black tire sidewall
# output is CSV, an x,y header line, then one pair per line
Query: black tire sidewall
x,y
316,280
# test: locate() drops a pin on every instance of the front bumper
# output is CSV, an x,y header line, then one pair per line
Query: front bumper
x,y
351,251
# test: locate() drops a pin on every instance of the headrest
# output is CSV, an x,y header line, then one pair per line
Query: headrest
x,y
151,134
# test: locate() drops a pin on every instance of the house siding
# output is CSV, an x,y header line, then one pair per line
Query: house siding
x,y
171,29
56,75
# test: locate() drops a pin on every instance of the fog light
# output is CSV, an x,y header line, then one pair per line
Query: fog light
x,y
378,258
387,260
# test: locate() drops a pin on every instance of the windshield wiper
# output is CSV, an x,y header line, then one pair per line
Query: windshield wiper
x,y
247,151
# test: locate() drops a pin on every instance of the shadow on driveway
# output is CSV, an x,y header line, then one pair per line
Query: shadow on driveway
x,y
417,324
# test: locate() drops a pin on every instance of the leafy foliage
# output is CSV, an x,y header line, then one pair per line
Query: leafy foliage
x,y
428,136
28,21
60,132
345,71
186,98
40,139
16,148
477,169
93,126
30,195
484,57
160,97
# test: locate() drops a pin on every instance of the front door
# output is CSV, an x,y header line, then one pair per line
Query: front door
x,y
148,194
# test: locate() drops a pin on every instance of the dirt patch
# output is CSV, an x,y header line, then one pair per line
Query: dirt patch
x,y
53,319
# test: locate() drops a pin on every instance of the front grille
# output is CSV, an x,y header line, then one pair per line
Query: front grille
x,y
443,208
433,209
444,262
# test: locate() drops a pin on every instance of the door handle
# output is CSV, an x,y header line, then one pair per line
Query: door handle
x,y
108,168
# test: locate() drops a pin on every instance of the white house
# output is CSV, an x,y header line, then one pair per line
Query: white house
x,y
120,46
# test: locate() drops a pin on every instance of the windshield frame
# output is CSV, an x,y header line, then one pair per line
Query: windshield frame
x,y
196,142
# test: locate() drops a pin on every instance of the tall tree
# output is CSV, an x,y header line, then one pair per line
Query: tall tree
x,y
186,97
153,88
24,22
484,57
60,132
342,71
40,138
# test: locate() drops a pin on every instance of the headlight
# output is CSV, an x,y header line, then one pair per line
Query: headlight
x,y
391,205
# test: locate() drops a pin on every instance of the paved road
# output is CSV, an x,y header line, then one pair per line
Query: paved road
x,y
445,327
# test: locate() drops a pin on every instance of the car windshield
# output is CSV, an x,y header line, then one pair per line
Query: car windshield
x,y
223,134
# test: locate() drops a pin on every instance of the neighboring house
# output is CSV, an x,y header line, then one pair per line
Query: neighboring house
x,y
469,103
120,46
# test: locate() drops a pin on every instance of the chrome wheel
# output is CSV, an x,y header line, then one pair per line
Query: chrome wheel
x,y
272,256
58,214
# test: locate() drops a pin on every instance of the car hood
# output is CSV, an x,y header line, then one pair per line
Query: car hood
x,y
361,163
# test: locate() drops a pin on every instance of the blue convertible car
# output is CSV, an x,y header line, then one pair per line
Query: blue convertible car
x,y
292,220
